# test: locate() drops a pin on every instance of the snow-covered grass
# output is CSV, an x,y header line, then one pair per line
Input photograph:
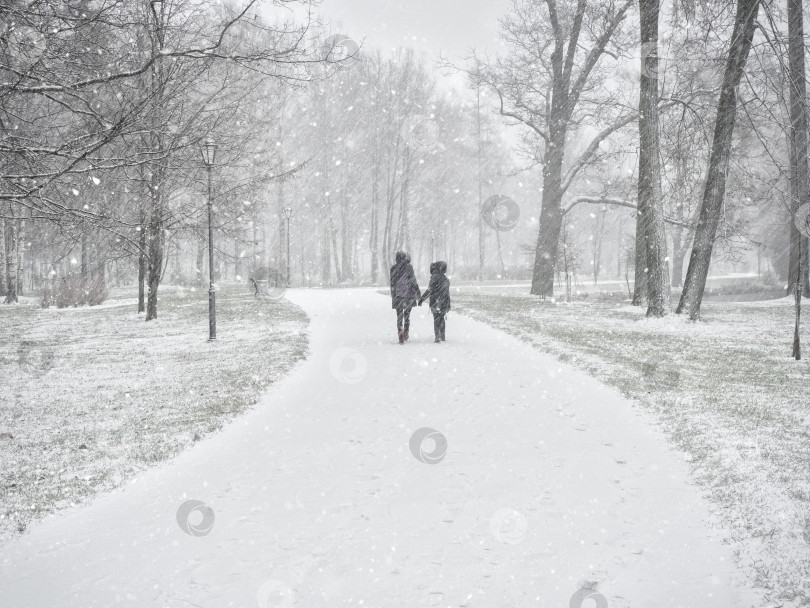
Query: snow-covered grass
x,y
725,390
91,396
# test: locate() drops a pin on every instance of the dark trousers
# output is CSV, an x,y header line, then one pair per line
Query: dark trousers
x,y
403,318
438,325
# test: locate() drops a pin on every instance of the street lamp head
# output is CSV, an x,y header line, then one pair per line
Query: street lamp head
x,y
288,212
209,152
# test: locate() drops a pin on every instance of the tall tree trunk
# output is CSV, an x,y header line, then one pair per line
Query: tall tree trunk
x,y
154,265
551,215
481,244
157,171
339,276
326,254
142,258
650,203
373,237
19,251
403,240
799,185
346,250
3,257
388,236
12,259
678,258
84,268
715,188
640,271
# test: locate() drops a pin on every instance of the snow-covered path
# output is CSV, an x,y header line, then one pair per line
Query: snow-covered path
x,y
549,480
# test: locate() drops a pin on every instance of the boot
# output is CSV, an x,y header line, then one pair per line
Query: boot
x,y
405,335
437,340
401,336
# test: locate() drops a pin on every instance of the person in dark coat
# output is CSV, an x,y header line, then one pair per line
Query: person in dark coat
x,y
405,293
439,293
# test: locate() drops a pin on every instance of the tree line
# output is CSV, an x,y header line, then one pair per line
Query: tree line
x,y
666,138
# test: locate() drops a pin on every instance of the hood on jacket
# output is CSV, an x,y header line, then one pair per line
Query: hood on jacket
x,y
441,267
400,257
432,267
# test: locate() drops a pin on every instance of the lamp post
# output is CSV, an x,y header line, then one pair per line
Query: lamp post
x,y
288,214
432,248
209,152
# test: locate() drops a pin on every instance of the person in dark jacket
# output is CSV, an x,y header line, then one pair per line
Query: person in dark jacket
x,y
404,293
439,293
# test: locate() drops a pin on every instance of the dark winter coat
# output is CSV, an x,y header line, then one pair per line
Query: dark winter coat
x,y
405,290
439,288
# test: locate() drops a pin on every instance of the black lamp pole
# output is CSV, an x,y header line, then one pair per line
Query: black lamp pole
x,y
209,151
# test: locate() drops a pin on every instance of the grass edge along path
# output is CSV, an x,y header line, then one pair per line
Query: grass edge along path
x,y
724,391
91,396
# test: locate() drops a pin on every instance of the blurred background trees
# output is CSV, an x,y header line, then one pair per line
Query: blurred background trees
x,y
103,107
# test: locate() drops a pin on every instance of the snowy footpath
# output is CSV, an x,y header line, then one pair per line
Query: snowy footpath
x,y
477,472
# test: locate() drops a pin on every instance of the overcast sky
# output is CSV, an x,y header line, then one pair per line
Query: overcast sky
x,y
451,27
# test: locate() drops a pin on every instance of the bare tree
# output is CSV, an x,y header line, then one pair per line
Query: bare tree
x,y
650,201
799,184
547,83
714,190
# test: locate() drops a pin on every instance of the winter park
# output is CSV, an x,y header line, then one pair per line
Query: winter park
x,y
404,303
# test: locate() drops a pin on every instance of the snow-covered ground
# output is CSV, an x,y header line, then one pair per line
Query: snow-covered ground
x,y
324,496
724,390
91,396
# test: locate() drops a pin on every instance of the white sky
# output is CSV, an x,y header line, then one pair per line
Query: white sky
x,y
451,27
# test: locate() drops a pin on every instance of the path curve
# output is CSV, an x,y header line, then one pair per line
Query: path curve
x,y
550,480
